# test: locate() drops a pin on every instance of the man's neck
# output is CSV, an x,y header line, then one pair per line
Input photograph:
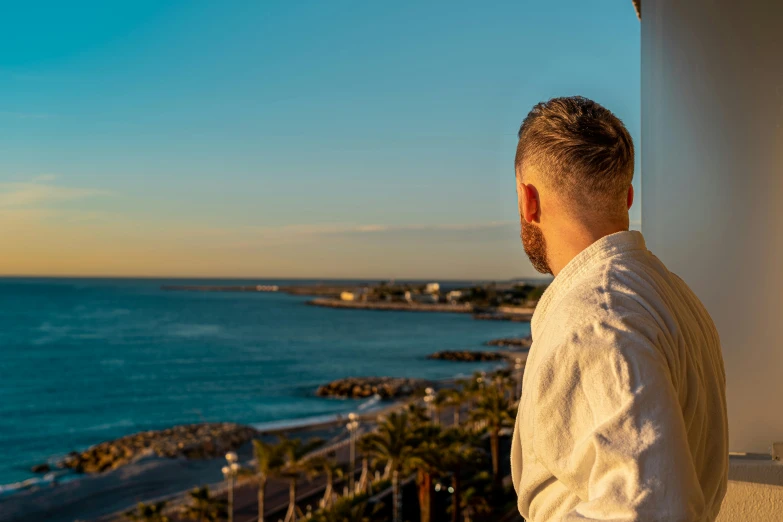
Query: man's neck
x,y
571,238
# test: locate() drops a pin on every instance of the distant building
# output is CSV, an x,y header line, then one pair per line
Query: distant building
x,y
432,288
420,298
454,296
360,294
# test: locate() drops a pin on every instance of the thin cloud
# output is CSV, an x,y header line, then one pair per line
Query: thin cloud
x,y
255,236
39,193
342,229
44,178
454,227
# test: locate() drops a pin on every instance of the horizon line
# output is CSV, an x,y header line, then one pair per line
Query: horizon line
x,y
274,278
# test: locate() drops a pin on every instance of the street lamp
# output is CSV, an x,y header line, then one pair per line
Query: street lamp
x,y
353,427
230,473
429,397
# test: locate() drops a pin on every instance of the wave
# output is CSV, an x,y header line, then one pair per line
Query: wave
x,y
366,406
124,423
370,404
50,479
195,330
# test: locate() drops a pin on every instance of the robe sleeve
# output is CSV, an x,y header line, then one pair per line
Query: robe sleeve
x,y
609,426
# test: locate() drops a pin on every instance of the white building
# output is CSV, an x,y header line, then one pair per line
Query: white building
x,y
454,296
432,288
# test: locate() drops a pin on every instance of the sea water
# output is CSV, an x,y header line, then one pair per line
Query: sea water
x,y
88,360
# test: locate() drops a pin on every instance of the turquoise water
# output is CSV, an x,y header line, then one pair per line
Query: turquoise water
x,y
86,360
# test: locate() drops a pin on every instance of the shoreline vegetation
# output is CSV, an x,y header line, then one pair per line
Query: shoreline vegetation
x,y
511,301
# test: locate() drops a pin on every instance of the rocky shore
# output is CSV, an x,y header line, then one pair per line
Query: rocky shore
x,y
363,387
194,441
467,356
512,342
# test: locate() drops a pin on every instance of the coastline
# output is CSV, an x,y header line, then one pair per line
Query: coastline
x,y
66,495
501,313
392,306
152,477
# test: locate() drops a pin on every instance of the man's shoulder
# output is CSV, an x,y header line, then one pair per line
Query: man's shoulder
x,y
616,291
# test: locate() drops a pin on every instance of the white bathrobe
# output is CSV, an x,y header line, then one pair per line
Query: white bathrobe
x,y
623,408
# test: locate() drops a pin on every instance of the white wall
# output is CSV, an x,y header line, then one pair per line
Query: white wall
x,y
712,184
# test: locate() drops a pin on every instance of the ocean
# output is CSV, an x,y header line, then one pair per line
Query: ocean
x,y
88,360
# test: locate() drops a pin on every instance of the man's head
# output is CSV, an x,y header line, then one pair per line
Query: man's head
x,y
574,166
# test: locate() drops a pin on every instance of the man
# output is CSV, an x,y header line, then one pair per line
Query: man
x,y
623,409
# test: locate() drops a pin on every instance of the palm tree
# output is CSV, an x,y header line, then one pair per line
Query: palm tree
x,y
148,513
442,399
494,411
473,387
507,384
427,459
460,453
365,482
474,503
474,500
328,466
269,461
296,464
456,397
417,414
345,510
392,443
205,508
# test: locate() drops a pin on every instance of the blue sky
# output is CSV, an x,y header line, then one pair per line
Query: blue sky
x,y
286,139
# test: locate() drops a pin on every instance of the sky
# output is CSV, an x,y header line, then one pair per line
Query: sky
x,y
286,138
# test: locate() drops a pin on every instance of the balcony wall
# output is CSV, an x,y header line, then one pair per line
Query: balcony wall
x,y
712,184
712,206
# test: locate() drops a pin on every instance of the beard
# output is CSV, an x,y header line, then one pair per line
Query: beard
x,y
535,247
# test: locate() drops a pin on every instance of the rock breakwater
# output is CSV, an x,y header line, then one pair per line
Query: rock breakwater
x,y
193,441
363,387
466,356
512,342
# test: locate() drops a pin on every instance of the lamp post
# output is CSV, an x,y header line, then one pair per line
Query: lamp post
x,y
230,474
429,397
353,427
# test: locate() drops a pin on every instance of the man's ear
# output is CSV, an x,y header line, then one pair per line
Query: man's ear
x,y
630,197
529,205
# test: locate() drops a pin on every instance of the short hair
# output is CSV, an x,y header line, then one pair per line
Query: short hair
x,y
583,150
